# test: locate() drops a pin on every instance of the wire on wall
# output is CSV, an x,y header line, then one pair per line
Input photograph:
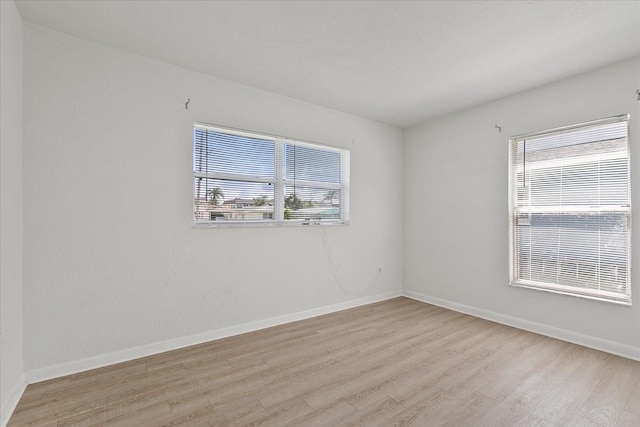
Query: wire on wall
x,y
334,268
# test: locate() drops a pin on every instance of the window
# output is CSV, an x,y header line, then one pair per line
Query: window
x,y
247,178
570,210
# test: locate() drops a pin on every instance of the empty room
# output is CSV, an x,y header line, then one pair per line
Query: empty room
x,y
320,213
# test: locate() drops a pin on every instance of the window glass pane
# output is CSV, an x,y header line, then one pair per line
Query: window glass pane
x,y
569,142
311,164
311,203
614,182
545,187
219,200
594,177
217,152
579,250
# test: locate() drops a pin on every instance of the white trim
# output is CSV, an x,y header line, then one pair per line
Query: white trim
x,y
68,368
598,122
269,223
594,295
12,402
612,347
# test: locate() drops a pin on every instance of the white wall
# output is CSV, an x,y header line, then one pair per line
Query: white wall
x,y
11,242
112,263
455,216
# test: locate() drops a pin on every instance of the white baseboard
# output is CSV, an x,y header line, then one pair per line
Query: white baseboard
x,y
43,374
612,347
12,401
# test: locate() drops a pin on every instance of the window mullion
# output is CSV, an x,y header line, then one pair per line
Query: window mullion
x,y
278,204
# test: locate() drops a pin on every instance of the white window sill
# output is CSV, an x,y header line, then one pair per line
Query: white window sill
x,y
289,223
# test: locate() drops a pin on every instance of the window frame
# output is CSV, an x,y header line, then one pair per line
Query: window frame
x,y
513,212
279,182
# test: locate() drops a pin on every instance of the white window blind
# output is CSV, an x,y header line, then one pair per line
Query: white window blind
x,y
570,210
242,177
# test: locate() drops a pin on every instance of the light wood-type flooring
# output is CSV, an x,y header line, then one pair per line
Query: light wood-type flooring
x,y
395,363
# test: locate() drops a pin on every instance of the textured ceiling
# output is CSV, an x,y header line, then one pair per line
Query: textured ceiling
x,y
396,62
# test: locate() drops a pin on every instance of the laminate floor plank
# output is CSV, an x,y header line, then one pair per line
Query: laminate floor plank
x,y
563,404
539,376
279,414
633,405
237,412
368,376
606,404
332,414
394,363
628,419
378,413
577,421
